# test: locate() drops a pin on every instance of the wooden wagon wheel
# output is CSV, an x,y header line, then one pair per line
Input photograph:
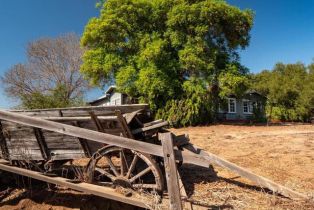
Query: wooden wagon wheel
x,y
113,165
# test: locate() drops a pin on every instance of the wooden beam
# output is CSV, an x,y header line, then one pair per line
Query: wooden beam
x,y
101,191
187,205
62,119
156,126
152,123
83,142
259,180
97,122
171,171
42,143
126,130
3,144
130,116
124,108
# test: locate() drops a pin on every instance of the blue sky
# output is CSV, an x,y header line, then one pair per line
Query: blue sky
x,y
283,30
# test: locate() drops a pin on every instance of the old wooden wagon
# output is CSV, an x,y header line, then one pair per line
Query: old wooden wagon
x,y
121,146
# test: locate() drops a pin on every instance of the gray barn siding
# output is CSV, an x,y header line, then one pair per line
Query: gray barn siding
x,y
240,115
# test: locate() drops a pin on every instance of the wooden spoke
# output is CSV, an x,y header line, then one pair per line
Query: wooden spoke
x,y
105,173
123,163
142,173
132,166
112,166
132,169
145,186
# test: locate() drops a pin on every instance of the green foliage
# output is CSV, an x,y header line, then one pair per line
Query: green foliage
x,y
56,98
153,49
289,89
232,82
259,113
193,108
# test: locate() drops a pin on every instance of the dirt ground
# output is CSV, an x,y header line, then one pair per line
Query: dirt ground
x,y
284,154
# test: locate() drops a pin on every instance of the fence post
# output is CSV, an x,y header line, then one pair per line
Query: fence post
x,y
171,171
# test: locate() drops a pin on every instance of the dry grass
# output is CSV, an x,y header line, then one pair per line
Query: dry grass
x,y
284,154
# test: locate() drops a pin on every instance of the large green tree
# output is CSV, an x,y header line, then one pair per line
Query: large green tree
x,y
289,89
168,53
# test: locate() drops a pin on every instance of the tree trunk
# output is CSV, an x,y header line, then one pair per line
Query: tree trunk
x,y
270,114
215,101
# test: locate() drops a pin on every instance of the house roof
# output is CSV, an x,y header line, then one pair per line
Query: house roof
x,y
110,89
251,92
105,96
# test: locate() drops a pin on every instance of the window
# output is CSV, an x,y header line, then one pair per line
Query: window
x,y
247,107
231,105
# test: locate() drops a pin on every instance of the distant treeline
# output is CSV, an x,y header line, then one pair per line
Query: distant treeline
x,y
289,89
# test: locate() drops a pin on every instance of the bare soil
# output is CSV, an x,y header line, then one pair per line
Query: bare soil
x,y
284,154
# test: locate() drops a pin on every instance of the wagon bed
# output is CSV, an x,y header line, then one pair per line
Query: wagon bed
x,y
20,142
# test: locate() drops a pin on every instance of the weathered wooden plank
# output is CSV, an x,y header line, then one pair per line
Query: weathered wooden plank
x,y
113,131
101,127
87,118
259,180
123,108
171,171
105,192
42,143
64,154
39,113
21,138
88,125
57,146
83,142
148,128
67,113
152,123
25,154
187,205
65,144
3,144
96,121
125,128
130,116
21,142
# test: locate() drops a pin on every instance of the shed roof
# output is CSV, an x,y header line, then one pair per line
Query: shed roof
x,y
105,96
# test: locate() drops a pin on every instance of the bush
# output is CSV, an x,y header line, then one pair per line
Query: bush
x,y
192,109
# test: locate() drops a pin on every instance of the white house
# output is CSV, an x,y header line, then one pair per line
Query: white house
x,y
112,97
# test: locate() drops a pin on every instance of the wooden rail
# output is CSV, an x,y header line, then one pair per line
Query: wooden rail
x,y
193,155
123,108
171,171
92,189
